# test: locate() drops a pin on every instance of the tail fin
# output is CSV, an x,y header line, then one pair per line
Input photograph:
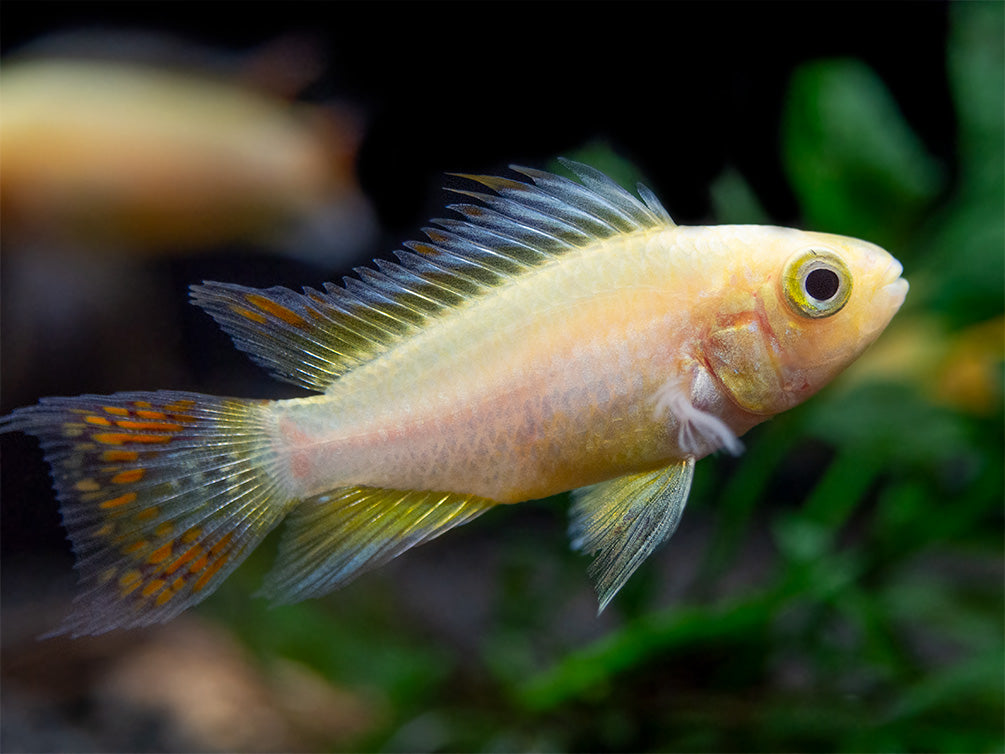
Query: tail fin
x,y
163,495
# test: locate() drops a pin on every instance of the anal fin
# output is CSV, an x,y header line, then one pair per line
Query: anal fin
x,y
625,519
332,538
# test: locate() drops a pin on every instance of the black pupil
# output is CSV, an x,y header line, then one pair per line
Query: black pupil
x,y
822,284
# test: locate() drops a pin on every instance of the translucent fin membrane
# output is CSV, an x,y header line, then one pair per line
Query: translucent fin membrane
x,y
625,519
312,338
163,495
331,539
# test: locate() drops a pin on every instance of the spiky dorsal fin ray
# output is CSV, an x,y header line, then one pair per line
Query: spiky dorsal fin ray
x,y
312,338
625,519
331,539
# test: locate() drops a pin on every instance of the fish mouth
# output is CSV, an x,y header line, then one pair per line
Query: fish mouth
x,y
892,273
888,299
893,288
896,291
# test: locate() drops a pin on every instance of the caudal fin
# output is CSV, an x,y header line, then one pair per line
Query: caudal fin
x,y
163,495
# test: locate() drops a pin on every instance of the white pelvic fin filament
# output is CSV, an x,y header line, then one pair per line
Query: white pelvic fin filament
x,y
699,432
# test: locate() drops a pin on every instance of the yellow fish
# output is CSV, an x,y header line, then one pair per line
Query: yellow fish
x,y
559,335
119,156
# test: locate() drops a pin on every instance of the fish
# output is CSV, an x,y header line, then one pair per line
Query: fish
x,y
556,333
123,158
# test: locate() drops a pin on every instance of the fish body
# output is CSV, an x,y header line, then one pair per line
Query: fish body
x,y
120,156
562,336
562,380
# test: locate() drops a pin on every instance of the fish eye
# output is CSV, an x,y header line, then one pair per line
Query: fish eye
x,y
816,283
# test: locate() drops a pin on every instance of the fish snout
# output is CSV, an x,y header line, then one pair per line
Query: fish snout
x,y
893,288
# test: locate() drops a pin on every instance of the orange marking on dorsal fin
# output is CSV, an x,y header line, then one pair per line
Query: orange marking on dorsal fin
x,y
116,410
142,404
87,485
115,502
248,314
150,414
98,420
288,316
163,529
129,476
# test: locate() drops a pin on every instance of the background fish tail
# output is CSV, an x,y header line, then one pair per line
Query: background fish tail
x,y
163,495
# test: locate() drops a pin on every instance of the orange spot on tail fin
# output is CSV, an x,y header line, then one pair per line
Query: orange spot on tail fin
x,y
119,501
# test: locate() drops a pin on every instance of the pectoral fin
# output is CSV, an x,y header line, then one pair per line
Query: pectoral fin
x,y
625,519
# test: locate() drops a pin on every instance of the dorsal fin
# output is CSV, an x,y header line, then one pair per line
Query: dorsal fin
x,y
312,338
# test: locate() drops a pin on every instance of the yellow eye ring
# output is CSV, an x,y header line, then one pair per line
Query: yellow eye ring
x,y
816,283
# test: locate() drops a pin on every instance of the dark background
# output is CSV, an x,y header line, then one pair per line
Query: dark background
x,y
680,88
487,640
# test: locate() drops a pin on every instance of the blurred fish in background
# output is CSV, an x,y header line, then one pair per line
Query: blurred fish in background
x,y
134,156
122,150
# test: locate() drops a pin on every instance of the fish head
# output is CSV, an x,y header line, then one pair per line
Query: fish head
x,y
814,302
